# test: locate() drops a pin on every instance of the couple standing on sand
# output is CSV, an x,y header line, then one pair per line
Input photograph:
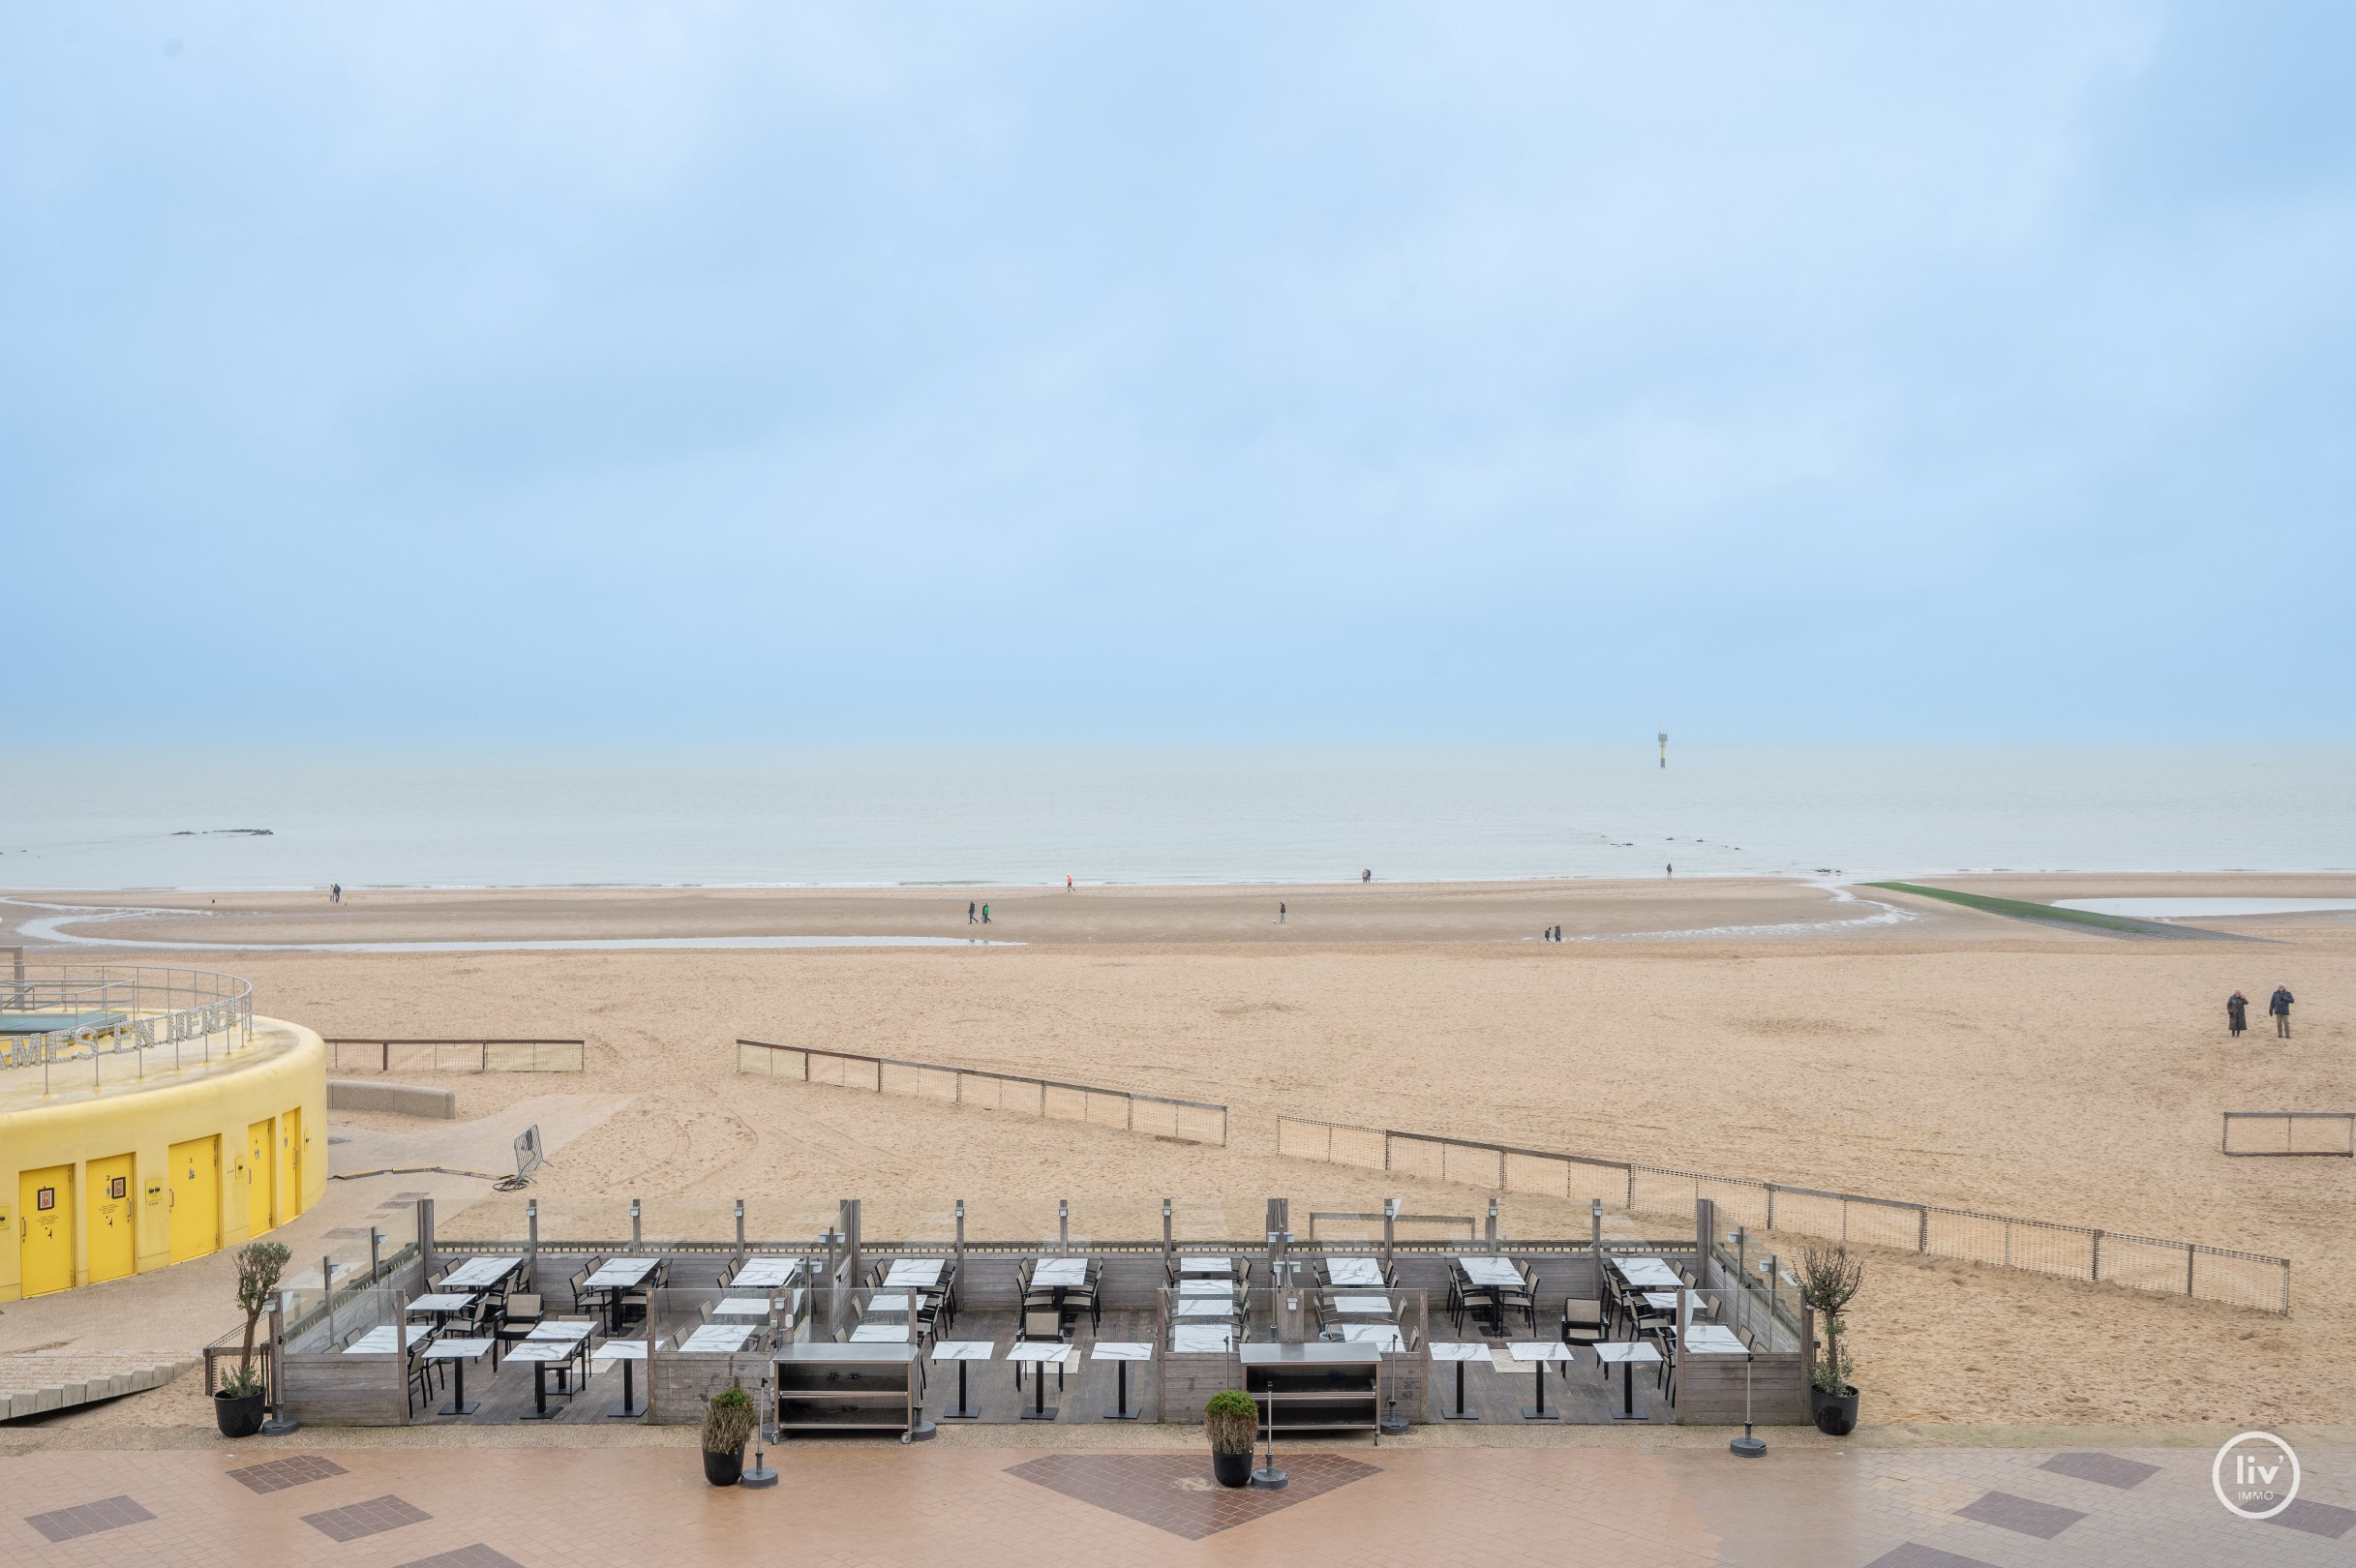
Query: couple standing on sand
x,y
2237,1013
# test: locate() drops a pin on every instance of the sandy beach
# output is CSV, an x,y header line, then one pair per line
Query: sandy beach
x,y
1767,1029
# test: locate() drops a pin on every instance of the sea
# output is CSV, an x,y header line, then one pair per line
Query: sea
x,y
172,819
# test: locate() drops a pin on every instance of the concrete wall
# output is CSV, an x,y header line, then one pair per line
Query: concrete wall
x,y
285,1070
407,1100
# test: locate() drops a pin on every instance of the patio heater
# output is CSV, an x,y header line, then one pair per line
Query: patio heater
x,y
1747,1446
1268,1478
760,1476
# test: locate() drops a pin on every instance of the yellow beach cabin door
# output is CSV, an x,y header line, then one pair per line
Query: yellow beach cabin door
x,y
113,1234
44,1229
291,1134
261,1175
195,1198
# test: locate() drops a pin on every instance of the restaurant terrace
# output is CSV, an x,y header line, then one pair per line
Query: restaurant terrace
x,y
1341,1323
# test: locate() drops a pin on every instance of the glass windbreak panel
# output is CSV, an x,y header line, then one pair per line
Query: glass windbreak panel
x,y
584,1222
1012,1221
701,1220
792,1222
1112,1221
691,1322
926,1221
321,1323
496,1218
1199,1221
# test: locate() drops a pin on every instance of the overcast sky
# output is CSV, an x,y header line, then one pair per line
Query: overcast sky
x,y
627,374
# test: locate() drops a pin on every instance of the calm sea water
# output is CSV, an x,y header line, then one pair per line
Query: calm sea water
x,y
1200,816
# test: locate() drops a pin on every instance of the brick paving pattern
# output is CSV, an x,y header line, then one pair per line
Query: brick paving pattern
x,y
1175,1492
277,1475
371,1517
476,1556
2027,1515
849,1505
2316,1518
2102,1469
1914,1555
88,1518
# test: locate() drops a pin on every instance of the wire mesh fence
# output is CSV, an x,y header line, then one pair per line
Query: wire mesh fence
x,y
354,1054
1123,1110
2290,1132
2041,1247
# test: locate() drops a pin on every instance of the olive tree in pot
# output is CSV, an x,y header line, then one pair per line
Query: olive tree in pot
x,y
1828,1281
237,1404
1232,1419
727,1425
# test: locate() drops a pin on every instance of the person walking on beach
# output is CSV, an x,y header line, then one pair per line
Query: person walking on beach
x,y
969,912
2237,1014
1673,870
1280,914
335,893
2278,1005
985,914
1067,881
1366,876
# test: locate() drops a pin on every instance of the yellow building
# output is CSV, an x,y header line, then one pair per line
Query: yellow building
x,y
147,1117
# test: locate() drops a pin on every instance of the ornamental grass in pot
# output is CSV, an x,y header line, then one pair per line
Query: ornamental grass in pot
x,y
1830,1279
1231,1420
727,1425
237,1404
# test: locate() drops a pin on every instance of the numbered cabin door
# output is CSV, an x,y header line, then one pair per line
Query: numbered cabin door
x,y
114,1237
261,1176
291,1134
44,1229
195,1198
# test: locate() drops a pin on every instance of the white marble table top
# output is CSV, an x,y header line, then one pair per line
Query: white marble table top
x,y
1612,1352
1224,1288
765,1273
1646,1273
442,1301
741,1307
717,1339
560,1331
1540,1350
457,1349
1206,1307
1206,1265
1457,1350
620,1273
962,1349
1385,1335
542,1350
1121,1350
920,1273
1380,1306
620,1350
880,1333
1660,1301
481,1273
1041,1350
1490,1271
1714,1340
379,1340
1198,1338
1059,1273
1354,1271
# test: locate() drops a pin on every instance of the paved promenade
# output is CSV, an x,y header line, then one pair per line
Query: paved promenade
x,y
315,1501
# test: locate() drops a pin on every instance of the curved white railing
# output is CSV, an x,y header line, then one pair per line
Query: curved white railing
x,y
108,1009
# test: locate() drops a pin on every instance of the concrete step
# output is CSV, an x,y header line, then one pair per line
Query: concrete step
x,y
33,1382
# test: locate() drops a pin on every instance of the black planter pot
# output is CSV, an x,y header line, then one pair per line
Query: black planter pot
x,y
724,1470
238,1415
1231,1469
1834,1414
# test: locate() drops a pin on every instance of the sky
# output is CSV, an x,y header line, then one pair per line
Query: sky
x,y
614,374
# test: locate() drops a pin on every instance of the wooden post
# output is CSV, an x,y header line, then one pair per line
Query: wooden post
x,y
401,1351
2097,1256
1168,1247
425,1234
1390,1227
